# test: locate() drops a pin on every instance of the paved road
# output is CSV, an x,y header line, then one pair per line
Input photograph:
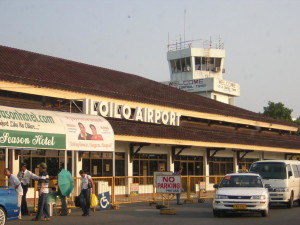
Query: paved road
x,y
186,214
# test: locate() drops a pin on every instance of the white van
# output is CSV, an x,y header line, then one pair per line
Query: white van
x,y
284,178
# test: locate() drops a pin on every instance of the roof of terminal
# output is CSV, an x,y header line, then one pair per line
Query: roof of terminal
x,y
30,68
206,134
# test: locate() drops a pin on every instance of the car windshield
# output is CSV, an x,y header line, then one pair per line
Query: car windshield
x,y
241,181
269,170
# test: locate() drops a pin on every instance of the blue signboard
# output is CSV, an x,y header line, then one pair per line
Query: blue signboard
x,y
104,200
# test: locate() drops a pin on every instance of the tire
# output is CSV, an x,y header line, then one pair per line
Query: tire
x,y
2,216
216,213
291,201
265,213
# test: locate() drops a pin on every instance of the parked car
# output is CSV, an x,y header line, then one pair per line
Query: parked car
x,y
9,209
241,192
284,178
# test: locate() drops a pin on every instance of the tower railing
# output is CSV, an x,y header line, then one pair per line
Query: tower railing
x,y
199,43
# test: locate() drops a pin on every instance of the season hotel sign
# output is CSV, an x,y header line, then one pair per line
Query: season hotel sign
x,y
119,111
29,128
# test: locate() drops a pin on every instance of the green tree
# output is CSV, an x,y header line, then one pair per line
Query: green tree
x,y
297,121
278,111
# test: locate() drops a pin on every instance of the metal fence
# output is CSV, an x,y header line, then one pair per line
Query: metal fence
x,y
134,189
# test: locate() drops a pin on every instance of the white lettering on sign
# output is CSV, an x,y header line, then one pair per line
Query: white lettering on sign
x,y
147,115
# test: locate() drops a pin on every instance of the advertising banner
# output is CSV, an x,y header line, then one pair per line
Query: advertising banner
x,y
87,133
30,128
168,184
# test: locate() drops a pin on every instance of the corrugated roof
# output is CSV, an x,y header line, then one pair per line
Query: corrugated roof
x,y
45,71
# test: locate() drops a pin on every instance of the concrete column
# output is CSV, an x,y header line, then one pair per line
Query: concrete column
x,y
206,168
66,160
235,162
170,164
76,167
205,164
128,164
14,163
128,170
6,158
261,156
78,164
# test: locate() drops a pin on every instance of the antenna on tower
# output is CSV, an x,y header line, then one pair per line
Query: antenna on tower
x,y
168,40
184,25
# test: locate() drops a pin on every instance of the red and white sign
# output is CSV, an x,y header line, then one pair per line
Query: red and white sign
x,y
168,184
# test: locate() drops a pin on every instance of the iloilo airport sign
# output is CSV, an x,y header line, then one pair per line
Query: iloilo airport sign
x,y
29,128
127,112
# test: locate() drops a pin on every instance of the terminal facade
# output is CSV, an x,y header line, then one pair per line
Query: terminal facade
x,y
151,127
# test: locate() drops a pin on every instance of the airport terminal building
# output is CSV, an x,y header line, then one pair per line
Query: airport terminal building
x,y
109,123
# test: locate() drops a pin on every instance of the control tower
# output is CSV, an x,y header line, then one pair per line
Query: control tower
x,y
198,66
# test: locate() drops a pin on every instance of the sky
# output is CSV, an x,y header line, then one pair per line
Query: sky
x,y
261,38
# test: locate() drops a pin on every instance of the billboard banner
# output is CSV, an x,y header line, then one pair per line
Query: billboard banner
x,y
29,128
87,133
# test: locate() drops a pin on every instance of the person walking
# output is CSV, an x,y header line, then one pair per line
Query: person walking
x,y
178,172
24,177
43,182
64,208
87,187
14,182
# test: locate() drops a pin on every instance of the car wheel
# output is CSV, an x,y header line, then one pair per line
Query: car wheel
x,y
291,201
2,216
216,213
265,213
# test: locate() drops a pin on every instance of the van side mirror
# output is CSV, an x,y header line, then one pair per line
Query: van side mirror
x,y
267,186
290,173
216,186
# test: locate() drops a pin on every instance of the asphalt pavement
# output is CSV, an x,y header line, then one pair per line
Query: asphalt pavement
x,y
142,213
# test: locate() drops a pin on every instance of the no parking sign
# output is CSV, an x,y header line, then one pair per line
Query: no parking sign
x,y
168,184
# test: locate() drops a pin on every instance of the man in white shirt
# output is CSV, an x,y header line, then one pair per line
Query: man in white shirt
x,y
14,182
24,176
87,187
